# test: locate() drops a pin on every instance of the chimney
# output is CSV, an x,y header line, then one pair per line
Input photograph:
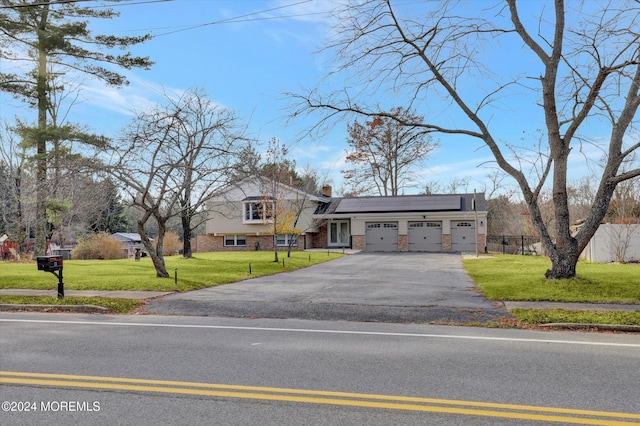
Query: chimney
x,y
326,190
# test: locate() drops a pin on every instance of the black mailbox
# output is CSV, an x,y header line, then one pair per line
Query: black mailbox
x,y
49,263
52,264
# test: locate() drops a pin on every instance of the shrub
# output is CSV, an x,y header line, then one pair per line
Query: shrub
x,y
171,243
100,245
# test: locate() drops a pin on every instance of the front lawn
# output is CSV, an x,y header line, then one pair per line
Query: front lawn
x,y
512,277
202,270
521,278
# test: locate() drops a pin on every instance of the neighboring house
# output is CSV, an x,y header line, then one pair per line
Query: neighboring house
x,y
131,242
237,220
56,250
4,248
613,243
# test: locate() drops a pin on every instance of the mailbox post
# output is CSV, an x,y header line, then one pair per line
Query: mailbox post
x,y
52,264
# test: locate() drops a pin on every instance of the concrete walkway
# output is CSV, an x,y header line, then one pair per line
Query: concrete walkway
x,y
118,294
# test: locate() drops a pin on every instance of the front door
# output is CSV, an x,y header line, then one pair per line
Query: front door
x,y
339,233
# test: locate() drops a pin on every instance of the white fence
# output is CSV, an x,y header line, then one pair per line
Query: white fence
x,y
614,243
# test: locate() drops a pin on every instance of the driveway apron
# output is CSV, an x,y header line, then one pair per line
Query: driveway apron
x,y
360,287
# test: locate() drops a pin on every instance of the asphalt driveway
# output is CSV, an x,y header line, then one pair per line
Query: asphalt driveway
x,y
391,287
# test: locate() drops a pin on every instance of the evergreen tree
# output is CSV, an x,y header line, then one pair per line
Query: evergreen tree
x,y
55,38
111,218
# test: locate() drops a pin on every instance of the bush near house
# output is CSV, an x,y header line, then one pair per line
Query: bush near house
x,y
171,244
101,246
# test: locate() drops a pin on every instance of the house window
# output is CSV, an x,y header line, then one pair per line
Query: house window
x,y
257,212
235,240
285,239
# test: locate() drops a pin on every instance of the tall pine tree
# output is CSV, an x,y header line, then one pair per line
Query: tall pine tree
x,y
54,38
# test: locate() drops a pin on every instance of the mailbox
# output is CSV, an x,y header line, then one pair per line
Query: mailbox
x,y
49,263
52,264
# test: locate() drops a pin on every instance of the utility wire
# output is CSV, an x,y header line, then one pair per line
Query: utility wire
x,y
241,18
236,19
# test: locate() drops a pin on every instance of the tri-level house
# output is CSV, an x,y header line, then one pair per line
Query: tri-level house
x,y
242,218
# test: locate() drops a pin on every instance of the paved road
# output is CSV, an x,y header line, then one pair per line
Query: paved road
x,y
387,287
149,370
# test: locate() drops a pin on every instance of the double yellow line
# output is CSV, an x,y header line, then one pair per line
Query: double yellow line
x,y
469,408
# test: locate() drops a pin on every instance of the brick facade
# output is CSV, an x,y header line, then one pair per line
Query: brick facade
x,y
482,243
317,240
358,242
446,242
209,243
403,243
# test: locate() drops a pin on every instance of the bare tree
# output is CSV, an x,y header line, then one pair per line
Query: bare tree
x,y
385,152
208,140
170,160
578,63
453,185
276,171
14,180
143,163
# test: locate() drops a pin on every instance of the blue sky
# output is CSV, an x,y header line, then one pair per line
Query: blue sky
x,y
245,54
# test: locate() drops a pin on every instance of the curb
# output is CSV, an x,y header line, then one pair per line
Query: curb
x,y
86,309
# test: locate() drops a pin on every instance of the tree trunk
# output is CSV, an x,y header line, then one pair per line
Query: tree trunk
x,y
563,264
158,262
41,143
20,233
186,236
155,255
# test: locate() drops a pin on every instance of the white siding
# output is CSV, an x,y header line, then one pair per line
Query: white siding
x,y
225,212
610,239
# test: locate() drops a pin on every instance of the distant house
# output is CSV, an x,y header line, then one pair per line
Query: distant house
x,y
55,249
131,242
236,220
4,248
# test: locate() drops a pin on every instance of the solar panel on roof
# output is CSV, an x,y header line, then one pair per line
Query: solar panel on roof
x,y
399,204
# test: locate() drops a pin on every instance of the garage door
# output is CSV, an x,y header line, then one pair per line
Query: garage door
x,y
382,236
463,236
425,236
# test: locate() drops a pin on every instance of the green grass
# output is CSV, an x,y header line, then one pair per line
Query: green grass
x,y
510,277
550,316
118,306
202,270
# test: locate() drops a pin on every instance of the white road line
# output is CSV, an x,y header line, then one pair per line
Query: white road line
x,y
308,330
